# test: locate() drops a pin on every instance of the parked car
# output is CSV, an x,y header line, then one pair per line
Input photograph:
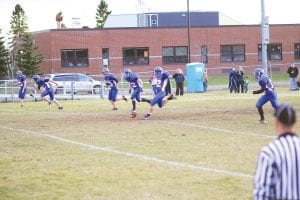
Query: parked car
x,y
82,83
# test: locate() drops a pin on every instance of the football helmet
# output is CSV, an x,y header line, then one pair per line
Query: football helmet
x,y
19,74
158,72
36,78
105,71
258,73
127,73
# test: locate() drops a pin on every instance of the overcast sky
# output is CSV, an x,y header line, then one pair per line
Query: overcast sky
x,y
41,13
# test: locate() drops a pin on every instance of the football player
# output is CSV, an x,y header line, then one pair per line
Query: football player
x,y
135,89
112,82
23,86
269,93
159,99
47,90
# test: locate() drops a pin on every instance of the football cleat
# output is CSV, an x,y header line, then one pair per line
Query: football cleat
x,y
172,97
146,117
60,108
133,114
115,109
124,98
262,121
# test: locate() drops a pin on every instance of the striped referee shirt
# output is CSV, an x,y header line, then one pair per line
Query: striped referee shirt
x,y
278,169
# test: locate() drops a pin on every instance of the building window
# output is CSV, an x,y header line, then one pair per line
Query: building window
x,y
203,56
232,53
297,51
105,57
274,52
175,55
136,56
74,58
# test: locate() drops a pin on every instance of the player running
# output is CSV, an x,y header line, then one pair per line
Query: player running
x,y
23,86
111,82
135,89
270,95
159,99
47,90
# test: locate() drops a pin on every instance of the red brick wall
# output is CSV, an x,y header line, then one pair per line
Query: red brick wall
x,y
51,42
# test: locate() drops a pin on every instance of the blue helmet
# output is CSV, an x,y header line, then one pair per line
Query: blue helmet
x,y
158,71
105,71
36,78
127,73
19,73
258,73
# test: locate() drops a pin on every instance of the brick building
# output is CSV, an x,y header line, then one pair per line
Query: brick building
x,y
87,50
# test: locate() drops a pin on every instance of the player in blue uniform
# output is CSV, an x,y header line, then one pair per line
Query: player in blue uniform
x,y
135,89
269,93
47,90
111,81
159,99
23,86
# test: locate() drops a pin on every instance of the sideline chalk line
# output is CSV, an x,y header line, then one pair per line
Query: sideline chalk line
x,y
170,122
134,155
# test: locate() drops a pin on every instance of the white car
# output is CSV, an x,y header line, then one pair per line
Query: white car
x,y
81,82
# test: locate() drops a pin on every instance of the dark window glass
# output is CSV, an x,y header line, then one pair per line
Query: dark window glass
x,y
204,58
175,55
136,56
274,52
74,58
297,51
232,53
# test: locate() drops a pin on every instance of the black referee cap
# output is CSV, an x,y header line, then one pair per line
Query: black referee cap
x,y
286,114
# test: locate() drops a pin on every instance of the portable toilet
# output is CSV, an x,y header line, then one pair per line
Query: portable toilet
x,y
194,72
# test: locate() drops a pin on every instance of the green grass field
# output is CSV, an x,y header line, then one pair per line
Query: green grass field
x,y
200,146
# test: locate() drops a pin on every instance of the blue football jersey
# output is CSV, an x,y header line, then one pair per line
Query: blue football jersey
x,y
21,80
133,81
266,82
44,83
111,80
160,82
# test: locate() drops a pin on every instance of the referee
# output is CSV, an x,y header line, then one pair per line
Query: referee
x,y
278,165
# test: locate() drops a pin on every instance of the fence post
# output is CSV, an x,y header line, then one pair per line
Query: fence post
x,y
64,88
12,92
5,87
102,90
72,90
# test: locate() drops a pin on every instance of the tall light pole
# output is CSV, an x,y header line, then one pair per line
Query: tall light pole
x,y
189,33
265,39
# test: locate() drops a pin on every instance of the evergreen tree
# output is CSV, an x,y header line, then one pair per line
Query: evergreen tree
x,y
102,14
18,26
26,61
4,59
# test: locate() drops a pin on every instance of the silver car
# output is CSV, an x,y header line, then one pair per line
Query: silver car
x,y
81,83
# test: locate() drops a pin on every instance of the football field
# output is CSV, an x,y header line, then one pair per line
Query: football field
x,y
200,146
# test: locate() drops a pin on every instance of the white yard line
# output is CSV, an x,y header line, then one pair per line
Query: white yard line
x,y
169,122
220,130
133,155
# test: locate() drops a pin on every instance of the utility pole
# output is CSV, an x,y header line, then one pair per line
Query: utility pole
x,y
189,33
265,38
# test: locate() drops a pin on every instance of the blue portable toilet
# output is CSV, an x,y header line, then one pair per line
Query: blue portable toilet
x,y
194,73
